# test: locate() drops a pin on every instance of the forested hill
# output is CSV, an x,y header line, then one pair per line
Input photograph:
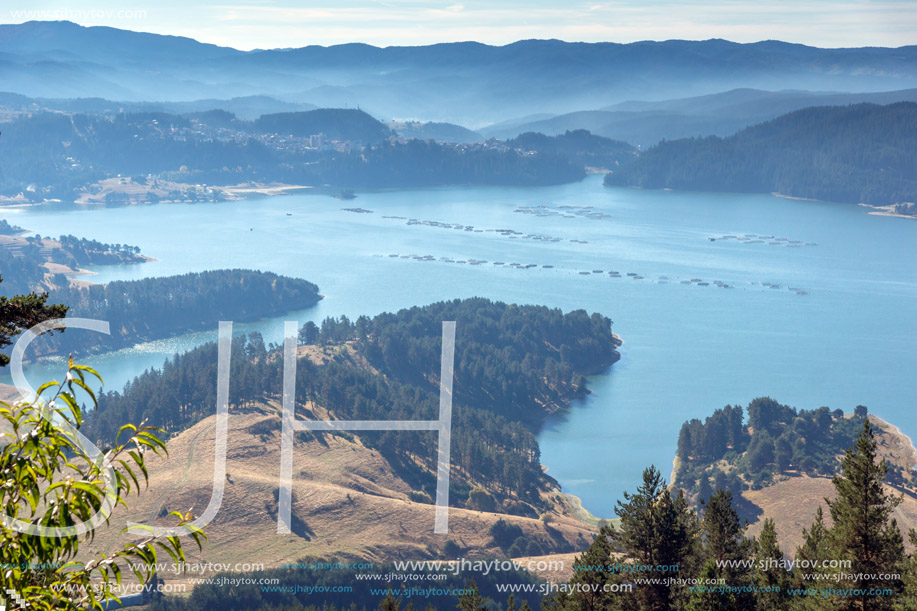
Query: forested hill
x,y
513,364
335,123
55,156
519,361
36,263
728,451
579,146
864,153
426,163
154,308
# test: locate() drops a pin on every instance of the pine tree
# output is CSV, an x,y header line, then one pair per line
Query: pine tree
x,y
21,312
722,529
588,577
864,531
725,548
815,540
907,601
472,601
770,576
389,603
511,603
711,597
810,557
656,530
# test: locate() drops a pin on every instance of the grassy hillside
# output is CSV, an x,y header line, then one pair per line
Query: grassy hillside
x,y
513,366
347,500
779,463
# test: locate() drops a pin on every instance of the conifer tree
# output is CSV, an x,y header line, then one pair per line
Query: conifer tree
x,y
511,603
712,597
770,575
472,601
722,530
725,549
21,312
656,530
907,600
390,603
864,531
809,560
589,577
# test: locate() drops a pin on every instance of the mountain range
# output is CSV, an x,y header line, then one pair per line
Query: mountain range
x,y
467,83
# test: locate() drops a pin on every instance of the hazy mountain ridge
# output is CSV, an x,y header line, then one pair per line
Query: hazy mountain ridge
x,y
646,123
468,83
245,107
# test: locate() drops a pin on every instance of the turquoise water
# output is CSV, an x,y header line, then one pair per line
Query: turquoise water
x,y
688,349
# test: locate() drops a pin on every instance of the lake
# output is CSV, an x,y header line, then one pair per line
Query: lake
x,y
809,302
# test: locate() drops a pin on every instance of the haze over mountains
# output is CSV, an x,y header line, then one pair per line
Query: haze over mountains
x,y
90,105
721,114
467,83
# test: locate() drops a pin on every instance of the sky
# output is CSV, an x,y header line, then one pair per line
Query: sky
x,y
250,24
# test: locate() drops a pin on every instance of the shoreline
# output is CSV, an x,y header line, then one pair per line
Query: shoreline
x,y
570,501
565,402
800,199
894,431
887,211
137,194
573,506
267,190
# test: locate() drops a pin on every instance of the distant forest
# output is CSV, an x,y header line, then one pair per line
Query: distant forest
x,y
578,146
153,308
75,252
427,163
59,155
335,123
513,365
863,153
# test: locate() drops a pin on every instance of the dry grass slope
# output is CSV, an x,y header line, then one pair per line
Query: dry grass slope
x,y
347,501
792,503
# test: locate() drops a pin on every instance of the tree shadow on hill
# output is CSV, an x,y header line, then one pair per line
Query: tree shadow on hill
x,y
746,509
297,525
